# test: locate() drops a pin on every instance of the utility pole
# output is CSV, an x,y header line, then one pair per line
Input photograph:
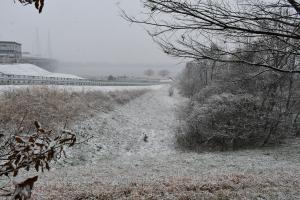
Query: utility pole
x,y
38,45
49,45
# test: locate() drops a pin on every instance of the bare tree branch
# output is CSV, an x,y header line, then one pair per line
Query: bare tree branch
x,y
295,4
188,28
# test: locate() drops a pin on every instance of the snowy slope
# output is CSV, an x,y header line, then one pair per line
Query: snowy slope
x,y
31,70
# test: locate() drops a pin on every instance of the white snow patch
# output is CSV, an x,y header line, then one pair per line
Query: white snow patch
x,y
31,70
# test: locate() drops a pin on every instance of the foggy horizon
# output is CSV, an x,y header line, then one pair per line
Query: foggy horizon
x,y
101,35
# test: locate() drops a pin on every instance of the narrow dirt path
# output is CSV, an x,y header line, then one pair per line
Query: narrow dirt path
x,y
119,147
145,126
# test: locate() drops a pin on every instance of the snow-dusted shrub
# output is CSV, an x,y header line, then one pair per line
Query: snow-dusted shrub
x,y
192,79
227,121
260,107
171,91
208,91
124,96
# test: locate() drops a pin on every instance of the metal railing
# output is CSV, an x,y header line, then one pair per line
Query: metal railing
x,y
40,80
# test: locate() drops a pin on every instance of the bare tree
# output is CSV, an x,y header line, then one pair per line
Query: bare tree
x,y
149,72
189,28
164,73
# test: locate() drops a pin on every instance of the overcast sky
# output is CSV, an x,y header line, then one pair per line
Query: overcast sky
x,y
86,31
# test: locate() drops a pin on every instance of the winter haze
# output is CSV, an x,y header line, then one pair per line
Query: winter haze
x,y
88,39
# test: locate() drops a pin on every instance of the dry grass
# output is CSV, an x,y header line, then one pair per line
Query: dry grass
x,y
233,186
54,107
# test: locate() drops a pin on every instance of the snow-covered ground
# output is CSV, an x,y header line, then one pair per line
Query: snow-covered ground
x,y
4,88
118,154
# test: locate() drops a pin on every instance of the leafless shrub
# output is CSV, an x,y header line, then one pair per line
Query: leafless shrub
x,y
149,72
192,79
163,73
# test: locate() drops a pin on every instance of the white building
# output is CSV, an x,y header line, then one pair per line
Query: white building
x,y
10,52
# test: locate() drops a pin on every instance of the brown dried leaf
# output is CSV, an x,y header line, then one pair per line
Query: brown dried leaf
x,y
41,145
37,125
41,130
37,4
41,6
19,139
15,173
31,139
50,155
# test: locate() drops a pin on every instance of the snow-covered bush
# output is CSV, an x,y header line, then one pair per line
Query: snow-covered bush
x,y
192,79
228,121
237,106
208,91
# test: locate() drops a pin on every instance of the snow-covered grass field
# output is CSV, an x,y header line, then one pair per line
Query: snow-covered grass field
x,y
57,106
119,164
4,88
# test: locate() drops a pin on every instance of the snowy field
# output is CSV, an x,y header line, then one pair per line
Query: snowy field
x,y
4,88
118,155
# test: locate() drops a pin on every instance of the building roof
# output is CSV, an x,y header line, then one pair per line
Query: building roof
x,y
31,70
10,42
